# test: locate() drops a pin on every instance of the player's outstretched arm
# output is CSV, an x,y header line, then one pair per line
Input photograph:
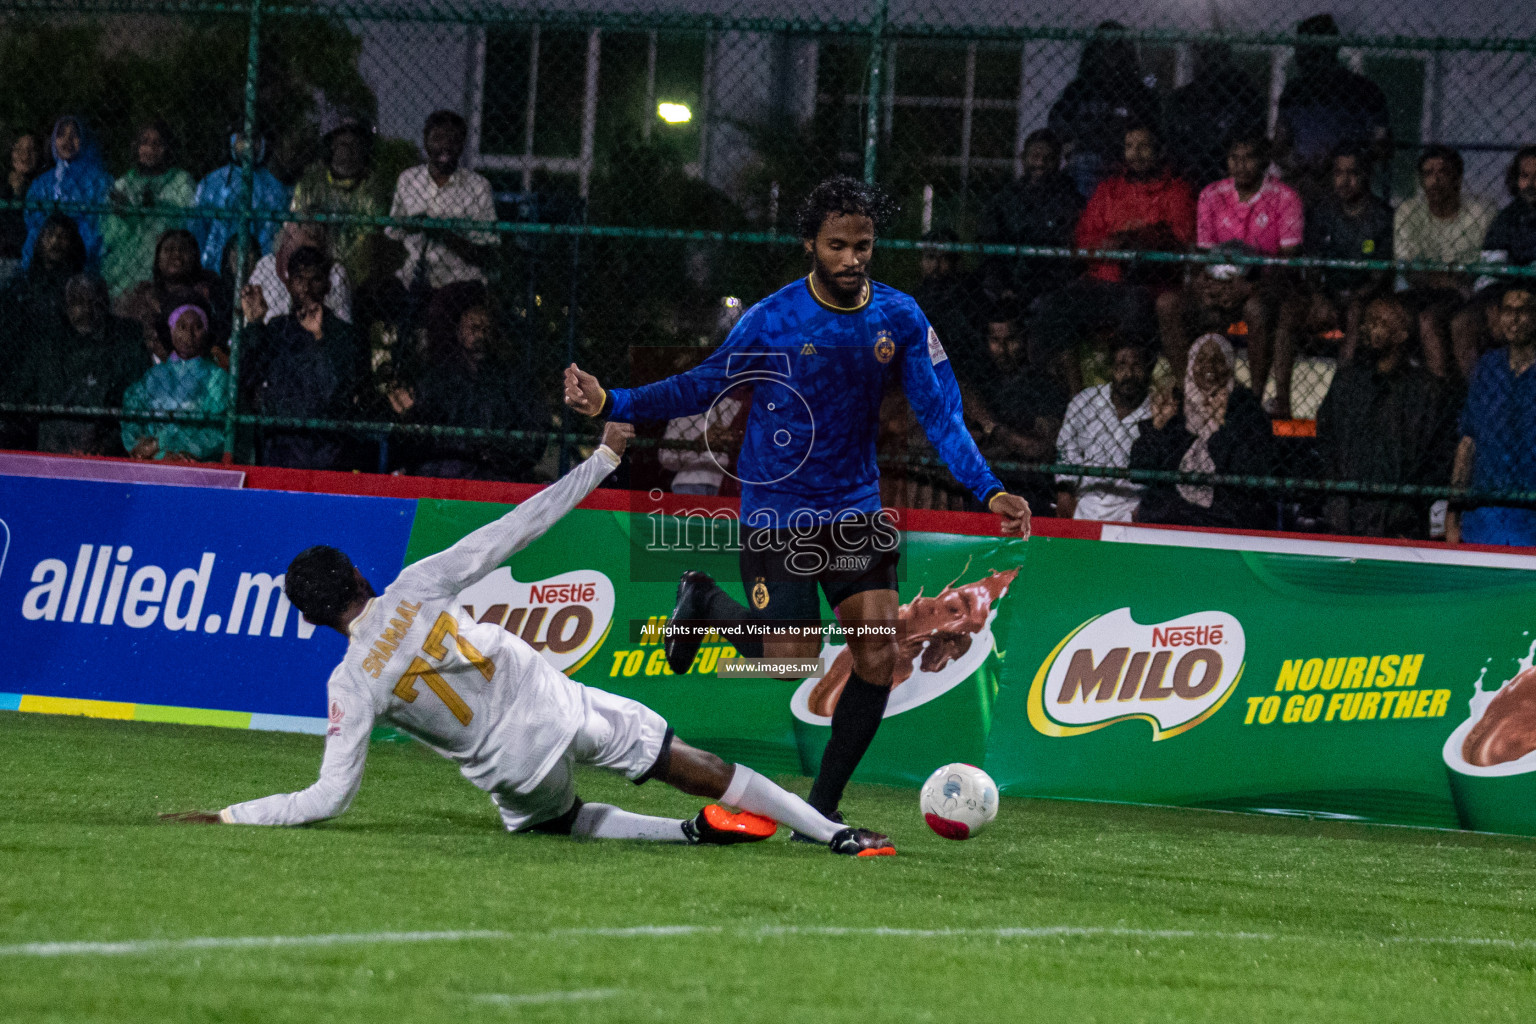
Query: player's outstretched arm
x,y
934,395
682,394
341,773
476,555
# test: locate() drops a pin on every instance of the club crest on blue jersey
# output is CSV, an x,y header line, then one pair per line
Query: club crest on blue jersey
x,y
885,346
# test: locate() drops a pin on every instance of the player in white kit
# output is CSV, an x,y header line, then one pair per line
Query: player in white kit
x,y
483,698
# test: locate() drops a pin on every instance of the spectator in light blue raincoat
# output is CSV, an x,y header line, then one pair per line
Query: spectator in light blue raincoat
x,y
221,191
77,176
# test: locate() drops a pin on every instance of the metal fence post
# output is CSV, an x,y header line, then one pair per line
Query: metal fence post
x,y
872,98
245,208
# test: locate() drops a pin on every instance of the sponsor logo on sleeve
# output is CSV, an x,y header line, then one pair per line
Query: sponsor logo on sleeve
x,y
1172,675
936,351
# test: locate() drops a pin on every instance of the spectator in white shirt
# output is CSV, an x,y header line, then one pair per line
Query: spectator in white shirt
x,y
1100,426
271,272
701,471
440,188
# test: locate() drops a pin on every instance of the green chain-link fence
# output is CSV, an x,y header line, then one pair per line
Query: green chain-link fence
x,y
345,298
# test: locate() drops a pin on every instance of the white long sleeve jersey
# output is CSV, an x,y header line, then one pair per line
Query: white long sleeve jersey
x,y
475,693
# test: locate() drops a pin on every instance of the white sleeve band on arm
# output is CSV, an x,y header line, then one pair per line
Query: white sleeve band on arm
x,y
225,817
611,455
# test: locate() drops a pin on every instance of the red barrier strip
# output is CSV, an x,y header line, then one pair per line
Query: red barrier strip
x,y
976,524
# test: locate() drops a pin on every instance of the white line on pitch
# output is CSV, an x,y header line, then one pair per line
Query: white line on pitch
x,y
130,947
535,998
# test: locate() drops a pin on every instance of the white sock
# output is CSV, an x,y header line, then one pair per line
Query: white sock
x,y
605,821
749,791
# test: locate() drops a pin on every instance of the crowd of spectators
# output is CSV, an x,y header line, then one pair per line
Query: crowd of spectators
x,y
1159,365
1143,364
121,307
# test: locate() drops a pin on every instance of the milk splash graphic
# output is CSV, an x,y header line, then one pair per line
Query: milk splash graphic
x,y
1478,705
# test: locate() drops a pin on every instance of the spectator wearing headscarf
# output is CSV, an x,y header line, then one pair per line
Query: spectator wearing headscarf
x,y
77,176
189,382
1221,428
221,190
130,241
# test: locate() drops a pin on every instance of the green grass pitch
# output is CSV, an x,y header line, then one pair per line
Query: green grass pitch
x,y
1059,912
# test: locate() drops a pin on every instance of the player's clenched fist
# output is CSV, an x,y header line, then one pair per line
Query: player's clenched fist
x,y
616,435
1015,513
582,391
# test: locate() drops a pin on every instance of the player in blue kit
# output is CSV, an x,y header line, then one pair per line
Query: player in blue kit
x,y
817,356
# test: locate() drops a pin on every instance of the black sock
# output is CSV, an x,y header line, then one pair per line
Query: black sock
x,y
723,610
854,722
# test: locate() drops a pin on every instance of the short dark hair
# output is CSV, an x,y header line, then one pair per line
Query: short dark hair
x,y
1442,152
1394,299
77,255
849,197
1254,139
1350,148
1005,313
1318,25
445,119
321,582
1512,175
1043,136
1144,126
307,257
1127,341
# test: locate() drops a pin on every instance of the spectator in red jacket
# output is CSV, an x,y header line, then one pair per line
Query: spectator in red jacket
x,y
1145,206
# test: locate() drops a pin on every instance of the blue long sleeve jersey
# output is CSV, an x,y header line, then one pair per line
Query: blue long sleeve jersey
x,y
817,376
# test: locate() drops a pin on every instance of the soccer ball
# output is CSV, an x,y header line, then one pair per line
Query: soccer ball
x,y
958,800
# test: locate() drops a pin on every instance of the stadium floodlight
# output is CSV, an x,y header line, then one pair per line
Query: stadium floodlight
x,y
674,113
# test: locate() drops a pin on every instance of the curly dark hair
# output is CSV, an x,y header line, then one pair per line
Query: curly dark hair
x,y
320,583
848,196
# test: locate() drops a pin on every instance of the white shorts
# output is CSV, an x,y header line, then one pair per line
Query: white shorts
x,y
617,733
